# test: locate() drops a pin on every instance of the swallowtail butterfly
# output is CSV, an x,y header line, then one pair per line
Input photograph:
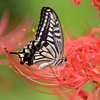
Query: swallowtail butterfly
x,y
48,44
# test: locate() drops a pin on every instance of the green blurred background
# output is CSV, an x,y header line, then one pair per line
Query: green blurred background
x,y
71,16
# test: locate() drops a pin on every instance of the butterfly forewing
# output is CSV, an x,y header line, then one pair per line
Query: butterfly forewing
x,y
49,30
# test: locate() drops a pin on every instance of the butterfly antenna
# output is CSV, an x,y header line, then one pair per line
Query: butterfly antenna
x,y
16,53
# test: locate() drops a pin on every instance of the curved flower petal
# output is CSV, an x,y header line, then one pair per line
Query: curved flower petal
x,y
4,22
19,33
77,2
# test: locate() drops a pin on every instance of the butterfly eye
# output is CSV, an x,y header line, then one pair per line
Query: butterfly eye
x,y
65,59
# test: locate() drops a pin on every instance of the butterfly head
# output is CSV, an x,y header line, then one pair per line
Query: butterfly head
x,y
63,60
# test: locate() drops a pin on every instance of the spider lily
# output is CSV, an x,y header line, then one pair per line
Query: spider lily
x,y
94,3
4,22
84,59
12,38
83,66
77,2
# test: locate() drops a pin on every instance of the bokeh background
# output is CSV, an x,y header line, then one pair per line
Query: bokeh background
x,y
73,17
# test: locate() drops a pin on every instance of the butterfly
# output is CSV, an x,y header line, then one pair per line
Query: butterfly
x,y
48,44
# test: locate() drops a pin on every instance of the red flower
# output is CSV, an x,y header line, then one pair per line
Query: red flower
x,y
4,22
95,3
18,34
94,95
83,66
77,2
84,59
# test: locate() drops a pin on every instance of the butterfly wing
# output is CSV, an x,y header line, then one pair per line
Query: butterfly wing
x,y
49,30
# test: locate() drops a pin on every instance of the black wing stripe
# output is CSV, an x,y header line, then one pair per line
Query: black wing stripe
x,y
41,59
53,51
50,39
